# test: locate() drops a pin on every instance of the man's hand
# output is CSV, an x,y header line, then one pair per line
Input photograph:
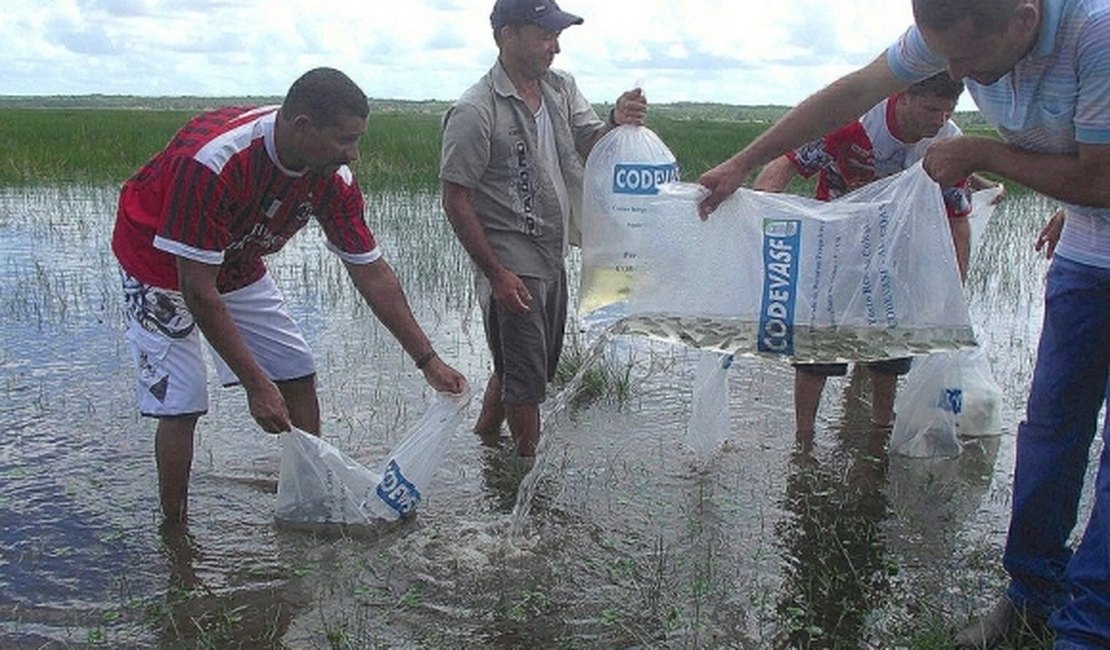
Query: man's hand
x,y
510,293
950,160
268,407
1050,234
721,181
443,377
630,107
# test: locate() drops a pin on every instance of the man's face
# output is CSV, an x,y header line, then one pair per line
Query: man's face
x,y
986,58
531,48
921,116
324,149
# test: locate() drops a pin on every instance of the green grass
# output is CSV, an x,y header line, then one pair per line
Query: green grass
x,y
66,144
606,379
400,150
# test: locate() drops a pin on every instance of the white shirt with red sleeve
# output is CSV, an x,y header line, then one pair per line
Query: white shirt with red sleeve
x,y
869,149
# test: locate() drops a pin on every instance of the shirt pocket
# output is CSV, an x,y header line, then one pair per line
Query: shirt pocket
x,y
1056,116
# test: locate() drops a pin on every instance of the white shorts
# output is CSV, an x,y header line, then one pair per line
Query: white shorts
x,y
172,378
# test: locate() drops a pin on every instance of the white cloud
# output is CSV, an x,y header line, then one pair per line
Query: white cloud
x,y
694,50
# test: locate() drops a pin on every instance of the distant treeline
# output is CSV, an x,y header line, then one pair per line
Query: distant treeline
x,y
104,139
678,110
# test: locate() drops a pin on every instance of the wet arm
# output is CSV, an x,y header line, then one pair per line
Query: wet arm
x,y
1082,179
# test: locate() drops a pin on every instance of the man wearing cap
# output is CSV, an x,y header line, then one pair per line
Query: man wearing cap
x,y
511,170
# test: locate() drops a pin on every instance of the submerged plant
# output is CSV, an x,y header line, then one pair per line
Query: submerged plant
x,y
605,378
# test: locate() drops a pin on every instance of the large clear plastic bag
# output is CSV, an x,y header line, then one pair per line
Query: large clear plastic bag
x,y
319,484
946,396
869,276
622,176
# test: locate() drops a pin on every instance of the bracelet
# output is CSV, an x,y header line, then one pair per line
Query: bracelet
x,y
424,359
613,117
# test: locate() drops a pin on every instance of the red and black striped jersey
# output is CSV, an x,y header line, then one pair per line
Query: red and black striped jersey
x,y
217,194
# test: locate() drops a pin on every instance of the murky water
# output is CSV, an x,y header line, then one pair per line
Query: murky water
x,y
623,542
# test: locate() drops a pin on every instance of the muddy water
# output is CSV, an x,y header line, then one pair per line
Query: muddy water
x,y
815,542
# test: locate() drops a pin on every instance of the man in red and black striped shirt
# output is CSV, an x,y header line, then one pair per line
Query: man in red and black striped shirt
x,y
192,228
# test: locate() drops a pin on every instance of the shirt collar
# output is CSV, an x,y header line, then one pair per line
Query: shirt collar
x,y
1051,10
502,84
267,124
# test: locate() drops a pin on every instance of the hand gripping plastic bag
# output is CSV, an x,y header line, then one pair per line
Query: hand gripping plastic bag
x,y
709,413
871,275
622,174
945,396
319,484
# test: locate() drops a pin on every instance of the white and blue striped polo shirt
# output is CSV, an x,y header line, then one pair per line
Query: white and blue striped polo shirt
x,y
1056,97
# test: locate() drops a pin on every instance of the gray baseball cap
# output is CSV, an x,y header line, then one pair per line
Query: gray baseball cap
x,y
544,13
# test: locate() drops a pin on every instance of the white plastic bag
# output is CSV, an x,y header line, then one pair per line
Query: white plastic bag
x,y
709,423
946,395
319,484
622,175
871,275
982,209
982,402
409,469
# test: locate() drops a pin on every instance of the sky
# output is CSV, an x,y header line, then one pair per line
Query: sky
x,y
727,51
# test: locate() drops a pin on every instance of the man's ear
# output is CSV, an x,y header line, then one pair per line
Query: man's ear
x,y
1028,16
504,32
301,123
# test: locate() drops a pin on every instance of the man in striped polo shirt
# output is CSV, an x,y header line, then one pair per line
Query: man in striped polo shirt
x,y
192,227
1039,70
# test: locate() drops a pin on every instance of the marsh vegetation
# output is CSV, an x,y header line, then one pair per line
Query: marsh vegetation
x,y
825,542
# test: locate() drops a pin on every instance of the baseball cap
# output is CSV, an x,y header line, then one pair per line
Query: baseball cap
x,y
544,13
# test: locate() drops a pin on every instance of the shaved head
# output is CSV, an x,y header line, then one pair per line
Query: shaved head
x,y
987,16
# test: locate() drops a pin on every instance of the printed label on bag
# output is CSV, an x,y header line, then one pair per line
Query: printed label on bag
x,y
781,243
396,491
951,400
643,179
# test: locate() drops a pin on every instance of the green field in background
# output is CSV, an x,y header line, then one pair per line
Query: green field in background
x,y
59,141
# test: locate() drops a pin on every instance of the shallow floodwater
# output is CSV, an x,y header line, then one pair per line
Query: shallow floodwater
x,y
627,542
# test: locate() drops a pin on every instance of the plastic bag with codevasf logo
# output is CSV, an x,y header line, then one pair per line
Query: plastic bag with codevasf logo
x,y
319,484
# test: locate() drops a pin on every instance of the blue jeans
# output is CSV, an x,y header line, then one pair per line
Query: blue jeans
x,y
1053,448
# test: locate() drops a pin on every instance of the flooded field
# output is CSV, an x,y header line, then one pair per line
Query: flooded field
x,y
625,542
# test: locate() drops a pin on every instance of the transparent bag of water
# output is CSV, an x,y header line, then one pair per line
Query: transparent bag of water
x,y
319,484
946,396
622,176
869,276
